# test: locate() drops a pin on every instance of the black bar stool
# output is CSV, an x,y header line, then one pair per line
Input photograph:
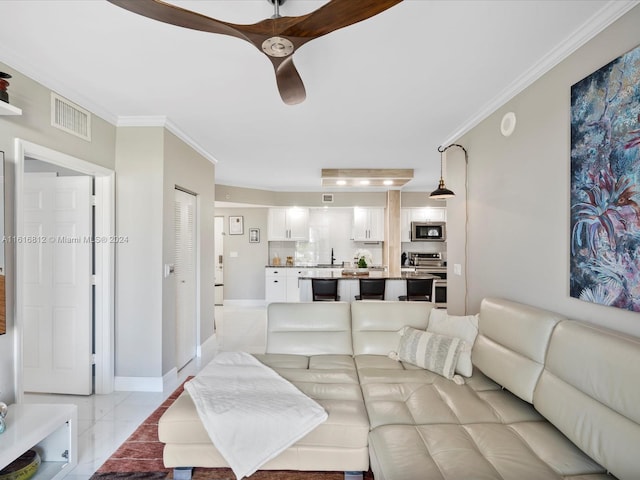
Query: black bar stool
x,y
418,290
324,289
371,289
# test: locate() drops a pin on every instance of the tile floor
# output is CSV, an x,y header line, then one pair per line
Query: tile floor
x,y
105,421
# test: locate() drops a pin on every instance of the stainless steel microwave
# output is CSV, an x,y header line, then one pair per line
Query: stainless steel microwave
x,y
428,231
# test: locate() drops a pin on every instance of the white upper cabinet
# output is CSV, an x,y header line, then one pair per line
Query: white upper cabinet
x,y
288,224
405,224
368,224
426,214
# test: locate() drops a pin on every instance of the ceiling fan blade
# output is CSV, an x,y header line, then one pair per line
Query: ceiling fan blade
x,y
174,15
289,82
335,15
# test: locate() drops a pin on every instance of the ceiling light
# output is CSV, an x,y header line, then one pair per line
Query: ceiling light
x,y
376,177
442,192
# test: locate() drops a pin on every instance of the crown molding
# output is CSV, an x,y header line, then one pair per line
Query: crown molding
x,y
604,17
163,121
36,74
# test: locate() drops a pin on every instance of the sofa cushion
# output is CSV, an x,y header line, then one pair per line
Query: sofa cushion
x,y
376,325
589,390
512,343
311,328
463,327
488,451
347,425
322,369
314,362
428,404
436,353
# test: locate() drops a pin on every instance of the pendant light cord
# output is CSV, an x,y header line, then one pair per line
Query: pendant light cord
x,y
442,149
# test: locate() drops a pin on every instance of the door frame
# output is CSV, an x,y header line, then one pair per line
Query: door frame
x,y
104,259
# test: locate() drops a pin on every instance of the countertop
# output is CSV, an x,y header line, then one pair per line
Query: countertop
x,y
385,275
322,265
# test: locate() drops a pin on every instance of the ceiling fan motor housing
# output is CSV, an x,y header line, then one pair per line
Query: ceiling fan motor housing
x,y
277,47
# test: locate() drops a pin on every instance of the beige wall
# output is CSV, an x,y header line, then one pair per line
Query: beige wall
x,y
225,193
457,238
35,126
150,163
519,223
139,217
188,170
244,277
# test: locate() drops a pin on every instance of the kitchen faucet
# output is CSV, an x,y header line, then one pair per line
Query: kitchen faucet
x,y
332,257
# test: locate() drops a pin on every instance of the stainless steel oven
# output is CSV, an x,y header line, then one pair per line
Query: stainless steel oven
x,y
432,264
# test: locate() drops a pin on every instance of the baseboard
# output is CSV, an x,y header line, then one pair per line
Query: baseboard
x,y
146,384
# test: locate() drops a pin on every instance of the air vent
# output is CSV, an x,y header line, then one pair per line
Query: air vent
x,y
327,198
69,117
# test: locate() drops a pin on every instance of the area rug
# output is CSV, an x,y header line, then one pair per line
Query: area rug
x,y
140,457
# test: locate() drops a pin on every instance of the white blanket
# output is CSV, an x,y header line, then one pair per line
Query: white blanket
x,y
250,412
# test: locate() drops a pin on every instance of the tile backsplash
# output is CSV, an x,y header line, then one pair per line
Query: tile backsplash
x,y
328,228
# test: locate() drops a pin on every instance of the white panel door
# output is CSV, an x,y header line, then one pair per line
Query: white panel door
x,y
57,301
186,278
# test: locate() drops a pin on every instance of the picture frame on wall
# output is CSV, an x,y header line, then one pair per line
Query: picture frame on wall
x,y
236,225
254,235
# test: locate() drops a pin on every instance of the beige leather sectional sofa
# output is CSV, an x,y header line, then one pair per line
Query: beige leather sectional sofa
x,y
550,398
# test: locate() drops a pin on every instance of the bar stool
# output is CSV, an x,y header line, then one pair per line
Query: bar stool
x,y
418,290
371,289
324,289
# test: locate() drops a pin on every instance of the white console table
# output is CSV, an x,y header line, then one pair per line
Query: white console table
x,y
50,429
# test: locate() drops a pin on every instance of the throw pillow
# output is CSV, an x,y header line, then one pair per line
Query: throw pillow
x,y
463,327
436,353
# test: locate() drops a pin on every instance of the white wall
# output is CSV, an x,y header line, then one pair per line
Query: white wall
x,y
519,223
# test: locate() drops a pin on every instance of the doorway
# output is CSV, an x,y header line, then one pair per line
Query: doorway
x,y
219,259
102,261
57,287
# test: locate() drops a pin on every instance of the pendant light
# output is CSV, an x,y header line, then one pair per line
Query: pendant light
x,y
442,192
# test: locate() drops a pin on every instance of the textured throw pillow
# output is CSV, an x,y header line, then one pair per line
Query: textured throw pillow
x,y
463,327
436,353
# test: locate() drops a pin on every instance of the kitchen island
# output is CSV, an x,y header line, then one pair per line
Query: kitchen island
x,y
349,286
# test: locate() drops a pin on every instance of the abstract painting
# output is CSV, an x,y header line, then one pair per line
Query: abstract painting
x,y
605,185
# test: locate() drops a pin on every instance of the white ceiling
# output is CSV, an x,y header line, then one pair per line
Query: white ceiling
x,y
383,93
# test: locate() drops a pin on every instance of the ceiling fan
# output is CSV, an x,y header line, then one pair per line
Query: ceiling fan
x,y
277,37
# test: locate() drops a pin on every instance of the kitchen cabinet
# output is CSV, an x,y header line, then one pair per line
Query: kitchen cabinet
x,y
284,285
426,214
293,287
288,224
275,285
368,224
